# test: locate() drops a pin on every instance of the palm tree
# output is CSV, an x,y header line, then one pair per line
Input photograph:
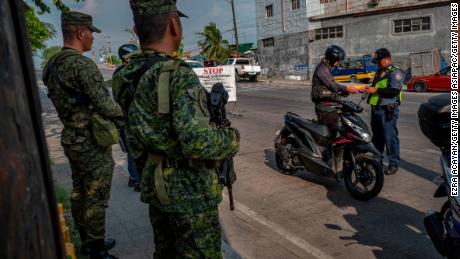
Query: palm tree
x,y
212,45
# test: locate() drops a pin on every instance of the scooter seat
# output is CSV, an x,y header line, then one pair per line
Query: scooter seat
x,y
320,130
315,128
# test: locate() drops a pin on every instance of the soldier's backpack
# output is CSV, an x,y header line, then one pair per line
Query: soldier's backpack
x,y
128,87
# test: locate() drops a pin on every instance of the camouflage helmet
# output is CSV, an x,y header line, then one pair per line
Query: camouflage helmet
x,y
79,19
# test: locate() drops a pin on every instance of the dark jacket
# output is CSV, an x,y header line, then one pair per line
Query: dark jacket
x,y
324,88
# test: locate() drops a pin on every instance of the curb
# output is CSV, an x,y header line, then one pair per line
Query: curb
x,y
285,82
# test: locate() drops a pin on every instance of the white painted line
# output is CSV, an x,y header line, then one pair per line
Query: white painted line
x,y
299,242
428,151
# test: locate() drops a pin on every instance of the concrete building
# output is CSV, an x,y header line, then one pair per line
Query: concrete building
x,y
359,26
282,37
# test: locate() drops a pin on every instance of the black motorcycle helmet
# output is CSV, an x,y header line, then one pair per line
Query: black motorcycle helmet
x,y
126,49
334,53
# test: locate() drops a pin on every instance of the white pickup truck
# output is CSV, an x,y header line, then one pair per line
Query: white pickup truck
x,y
243,68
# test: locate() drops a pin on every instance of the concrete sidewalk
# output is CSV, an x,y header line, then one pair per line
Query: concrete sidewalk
x,y
127,218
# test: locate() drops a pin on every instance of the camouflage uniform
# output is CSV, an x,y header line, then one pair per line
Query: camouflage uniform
x,y
178,180
77,92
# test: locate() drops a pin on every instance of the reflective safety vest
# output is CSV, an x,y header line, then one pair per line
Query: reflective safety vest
x,y
374,99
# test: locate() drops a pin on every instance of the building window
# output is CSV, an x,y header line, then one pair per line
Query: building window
x,y
269,42
295,4
329,33
269,10
327,1
412,25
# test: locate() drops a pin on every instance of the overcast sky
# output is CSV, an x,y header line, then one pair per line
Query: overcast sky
x,y
113,16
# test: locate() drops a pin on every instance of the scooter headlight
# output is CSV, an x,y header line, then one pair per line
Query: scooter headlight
x,y
362,133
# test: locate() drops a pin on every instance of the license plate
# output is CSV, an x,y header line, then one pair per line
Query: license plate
x,y
252,73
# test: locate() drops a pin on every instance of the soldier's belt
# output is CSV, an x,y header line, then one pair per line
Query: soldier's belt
x,y
165,167
181,163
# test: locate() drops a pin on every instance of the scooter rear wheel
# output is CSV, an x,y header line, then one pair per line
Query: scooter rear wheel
x,y
369,177
453,250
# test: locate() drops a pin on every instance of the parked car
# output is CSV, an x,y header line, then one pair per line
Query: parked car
x,y
194,64
210,63
438,82
355,70
243,68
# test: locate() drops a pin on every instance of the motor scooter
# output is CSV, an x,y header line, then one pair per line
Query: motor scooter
x,y
348,156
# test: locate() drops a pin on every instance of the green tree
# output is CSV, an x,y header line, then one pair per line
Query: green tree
x,y
213,46
114,60
180,51
40,32
47,53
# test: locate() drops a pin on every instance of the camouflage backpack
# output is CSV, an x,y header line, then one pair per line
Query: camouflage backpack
x,y
124,91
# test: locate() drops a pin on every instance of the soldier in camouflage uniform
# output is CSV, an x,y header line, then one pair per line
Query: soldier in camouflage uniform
x,y
172,139
77,90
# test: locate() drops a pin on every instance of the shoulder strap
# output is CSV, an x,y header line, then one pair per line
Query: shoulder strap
x,y
51,68
393,67
140,72
52,72
118,69
129,86
163,85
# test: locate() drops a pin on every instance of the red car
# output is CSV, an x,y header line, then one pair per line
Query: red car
x,y
437,82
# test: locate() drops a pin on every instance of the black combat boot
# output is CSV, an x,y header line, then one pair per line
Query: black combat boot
x,y
99,250
131,182
86,249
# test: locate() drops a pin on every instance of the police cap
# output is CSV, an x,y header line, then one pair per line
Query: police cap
x,y
380,54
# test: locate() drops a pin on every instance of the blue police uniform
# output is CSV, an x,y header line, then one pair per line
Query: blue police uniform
x,y
385,112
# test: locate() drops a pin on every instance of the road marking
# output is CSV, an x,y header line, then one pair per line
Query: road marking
x,y
257,87
299,242
428,151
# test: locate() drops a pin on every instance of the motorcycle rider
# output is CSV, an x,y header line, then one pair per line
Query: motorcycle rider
x,y
326,92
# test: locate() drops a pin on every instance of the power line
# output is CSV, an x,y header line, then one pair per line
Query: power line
x,y
276,20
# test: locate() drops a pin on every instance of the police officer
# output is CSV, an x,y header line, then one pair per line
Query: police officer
x,y
172,139
385,97
76,88
124,51
325,91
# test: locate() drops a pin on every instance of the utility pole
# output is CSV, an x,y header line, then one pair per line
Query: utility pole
x,y
234,27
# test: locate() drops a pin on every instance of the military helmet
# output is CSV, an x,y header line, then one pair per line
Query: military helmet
x,y
334,53
126,49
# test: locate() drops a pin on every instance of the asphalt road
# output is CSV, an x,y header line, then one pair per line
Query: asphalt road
x,y
309,216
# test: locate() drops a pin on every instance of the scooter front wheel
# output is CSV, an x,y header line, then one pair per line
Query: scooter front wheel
x,y
283,156
366,180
